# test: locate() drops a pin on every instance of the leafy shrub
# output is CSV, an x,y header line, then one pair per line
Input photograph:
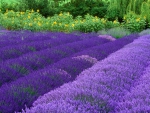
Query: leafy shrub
x,y
112,14
34,21
37,4
14,6
134,22
117,32
90,25
78,7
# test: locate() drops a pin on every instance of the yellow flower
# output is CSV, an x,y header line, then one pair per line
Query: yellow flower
x,y
76,21
144,17
39,23
93,20
30,24
32,10
138,19
55,22
38,10
115,21
96,19
60,14
66,25
28,16
72,25
39,18
60,24
104,21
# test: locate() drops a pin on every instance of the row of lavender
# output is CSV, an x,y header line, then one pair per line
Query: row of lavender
x,y
119,83
53,49
66,63
21,37
12,69
37,43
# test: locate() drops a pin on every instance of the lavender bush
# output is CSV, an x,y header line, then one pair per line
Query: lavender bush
x,y
101,86
25,90
42,81
14,51
21,37
137,99
15,68
116,32
144,32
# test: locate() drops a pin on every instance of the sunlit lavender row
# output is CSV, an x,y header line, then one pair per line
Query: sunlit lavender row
x,y
55,72
100,88
42,81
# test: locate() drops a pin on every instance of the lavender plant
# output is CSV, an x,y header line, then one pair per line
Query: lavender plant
x,y
45,79
101,86
15,68
10,52
145,32
137,100
117,32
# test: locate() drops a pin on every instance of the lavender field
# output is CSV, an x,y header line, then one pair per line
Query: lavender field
x,y
57,72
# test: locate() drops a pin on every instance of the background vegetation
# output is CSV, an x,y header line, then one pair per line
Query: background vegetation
x,y
131,14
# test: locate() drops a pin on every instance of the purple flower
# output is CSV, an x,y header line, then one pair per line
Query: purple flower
x,y
49,78
104,84
137,98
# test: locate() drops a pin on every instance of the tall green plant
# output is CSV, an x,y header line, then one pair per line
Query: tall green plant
x,y
37,4
145,10
82,7
121,7
117,8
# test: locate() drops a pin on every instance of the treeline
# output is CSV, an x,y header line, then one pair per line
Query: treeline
x,y
110,9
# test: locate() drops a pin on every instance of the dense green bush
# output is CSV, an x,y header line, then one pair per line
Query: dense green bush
x,y
37,4
82,7
14,6
134,22
112,14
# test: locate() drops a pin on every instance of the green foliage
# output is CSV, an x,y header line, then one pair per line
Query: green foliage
x,y
112,13
117,32
37,4
134,22
78,7
14,6
117,8
31,20
112,24
145,10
